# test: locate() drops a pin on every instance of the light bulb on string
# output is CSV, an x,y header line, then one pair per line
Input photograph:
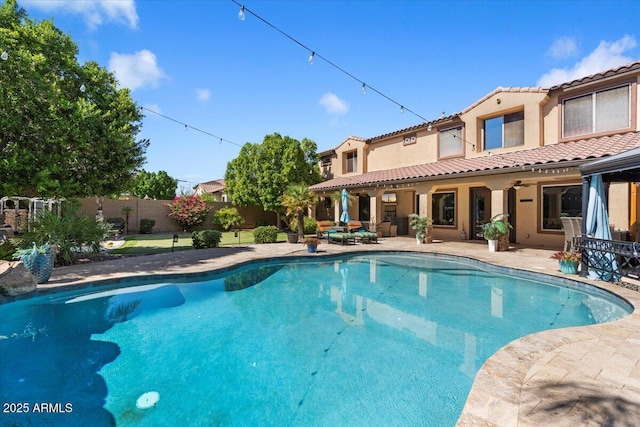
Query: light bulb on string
x,y
401,109
241,13
4,56
310,60
364,88
83,88
185,128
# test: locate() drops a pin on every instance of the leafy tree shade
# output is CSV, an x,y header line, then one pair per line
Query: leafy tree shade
x,y
262,172
65,129
157,186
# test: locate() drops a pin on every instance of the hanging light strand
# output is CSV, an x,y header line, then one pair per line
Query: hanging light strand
x,y
314,54
187,126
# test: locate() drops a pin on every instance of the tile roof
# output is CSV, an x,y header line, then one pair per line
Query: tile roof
x,y
549,156
632,66
501,89
212,186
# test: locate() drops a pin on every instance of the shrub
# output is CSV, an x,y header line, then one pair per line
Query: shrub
x,y
266,234
188,211
74,235
227,217
146,225
206,239
7,248
309,225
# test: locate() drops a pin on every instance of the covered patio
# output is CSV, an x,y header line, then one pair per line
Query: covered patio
x,y
602,254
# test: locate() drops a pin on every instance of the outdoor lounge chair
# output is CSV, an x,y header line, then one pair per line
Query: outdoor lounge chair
x,y
342,238
360,233
322,227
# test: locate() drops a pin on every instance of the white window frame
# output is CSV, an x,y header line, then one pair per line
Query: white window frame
x,y
459,138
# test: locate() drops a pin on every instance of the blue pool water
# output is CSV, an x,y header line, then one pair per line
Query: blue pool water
x,y
376,339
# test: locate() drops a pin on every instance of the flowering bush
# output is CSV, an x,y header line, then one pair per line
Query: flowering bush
x,y
567,256
188,211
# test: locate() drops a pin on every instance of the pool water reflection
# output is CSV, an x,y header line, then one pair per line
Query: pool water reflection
x,y
376,339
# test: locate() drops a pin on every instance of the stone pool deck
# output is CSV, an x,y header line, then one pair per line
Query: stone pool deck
x,y
583,376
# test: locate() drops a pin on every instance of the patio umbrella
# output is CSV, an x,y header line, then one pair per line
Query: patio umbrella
x,y
345,207
597,226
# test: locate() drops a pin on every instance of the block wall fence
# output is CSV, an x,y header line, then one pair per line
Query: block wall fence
x,y
157,210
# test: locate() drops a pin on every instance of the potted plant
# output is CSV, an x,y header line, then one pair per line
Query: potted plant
x,y
38,260
423,227
312,244
568,261
496,232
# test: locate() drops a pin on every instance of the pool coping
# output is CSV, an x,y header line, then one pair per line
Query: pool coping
x,y
569,376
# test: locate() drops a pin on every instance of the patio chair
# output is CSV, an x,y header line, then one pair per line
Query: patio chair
x,y
572,227
322,227
342,238
360,233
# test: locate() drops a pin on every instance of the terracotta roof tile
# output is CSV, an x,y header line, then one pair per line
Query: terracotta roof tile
x,y
551,155
212,186
632,66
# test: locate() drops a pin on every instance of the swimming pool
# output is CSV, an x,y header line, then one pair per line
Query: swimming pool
x,y
375,339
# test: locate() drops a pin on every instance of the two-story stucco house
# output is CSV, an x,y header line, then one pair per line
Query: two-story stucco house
x,y
515,151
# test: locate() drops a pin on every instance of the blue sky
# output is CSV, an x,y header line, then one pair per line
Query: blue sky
x,y
197,63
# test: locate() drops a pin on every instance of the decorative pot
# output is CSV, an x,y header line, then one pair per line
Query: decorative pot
x,y
493,245
41,266
419,240
292,237
312,248
568,267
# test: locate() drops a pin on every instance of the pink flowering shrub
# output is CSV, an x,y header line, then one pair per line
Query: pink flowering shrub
x,y
188,211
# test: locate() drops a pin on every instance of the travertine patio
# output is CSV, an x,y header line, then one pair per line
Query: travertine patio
x,y
586,376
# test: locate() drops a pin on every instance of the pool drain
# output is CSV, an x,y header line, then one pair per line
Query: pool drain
x,y
148,399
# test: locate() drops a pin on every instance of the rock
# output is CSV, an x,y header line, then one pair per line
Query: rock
x,y
16,279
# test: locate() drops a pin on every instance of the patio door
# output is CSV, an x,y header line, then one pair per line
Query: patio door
x,y
480,211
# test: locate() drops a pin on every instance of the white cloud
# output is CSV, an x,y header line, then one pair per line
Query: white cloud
x,y
136,70
607,55
333,105
95,12
564,47
203,94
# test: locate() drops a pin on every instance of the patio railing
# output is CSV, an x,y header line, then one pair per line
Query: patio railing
x,y
597,254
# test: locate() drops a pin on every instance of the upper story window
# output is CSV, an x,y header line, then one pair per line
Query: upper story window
x,y
326,161
351,162
504,131
450,142
595,112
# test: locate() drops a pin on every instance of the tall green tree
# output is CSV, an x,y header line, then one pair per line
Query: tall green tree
x,y
262,172
66,130
297,198
157,186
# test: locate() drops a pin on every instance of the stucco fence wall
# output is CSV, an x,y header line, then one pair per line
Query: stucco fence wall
x,y
157,210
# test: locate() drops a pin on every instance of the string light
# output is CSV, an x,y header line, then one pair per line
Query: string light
x,y
310,60
315,55
83,88
186,126
241,13
364,88
4,56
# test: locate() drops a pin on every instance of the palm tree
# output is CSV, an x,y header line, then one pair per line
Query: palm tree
x,y
296,199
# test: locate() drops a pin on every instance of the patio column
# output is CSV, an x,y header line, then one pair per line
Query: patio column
x,y
336,212
373,209
499,197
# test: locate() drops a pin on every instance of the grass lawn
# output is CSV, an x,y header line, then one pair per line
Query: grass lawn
x,y
158,243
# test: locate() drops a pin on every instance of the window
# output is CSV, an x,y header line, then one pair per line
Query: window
x,y
504,131
450,142
326,161
443,209
352,162
559,201
601,111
